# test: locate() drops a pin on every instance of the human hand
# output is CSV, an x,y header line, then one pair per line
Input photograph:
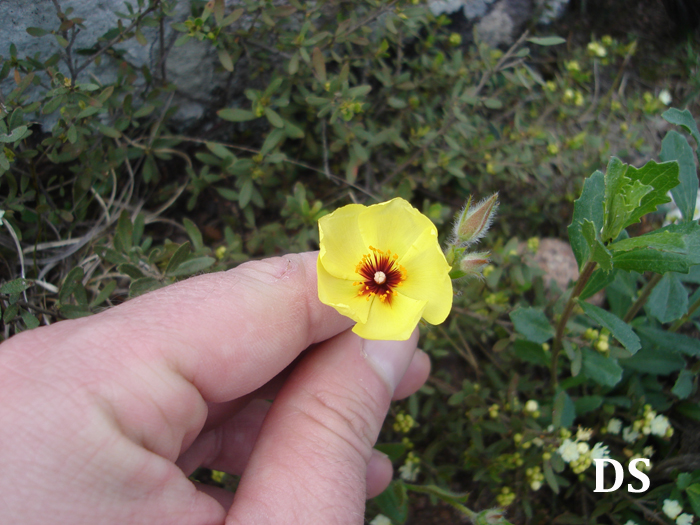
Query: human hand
x,y
103,418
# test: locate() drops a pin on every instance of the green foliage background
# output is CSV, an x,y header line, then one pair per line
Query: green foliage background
x,y
363,101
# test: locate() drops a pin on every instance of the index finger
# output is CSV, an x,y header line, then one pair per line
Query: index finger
x,y
227,333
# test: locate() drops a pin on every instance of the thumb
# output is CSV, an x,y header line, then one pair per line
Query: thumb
x,y
309,464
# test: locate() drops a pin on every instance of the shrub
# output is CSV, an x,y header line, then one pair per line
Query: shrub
x,y
364,101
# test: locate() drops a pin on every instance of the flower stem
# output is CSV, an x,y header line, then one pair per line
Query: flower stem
x,y
561,326
646,292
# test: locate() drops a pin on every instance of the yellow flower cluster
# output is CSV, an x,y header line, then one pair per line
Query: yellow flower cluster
x,y
601,340
506,497
534,477
404,423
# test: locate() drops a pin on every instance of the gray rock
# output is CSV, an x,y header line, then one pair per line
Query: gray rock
x,y
498,22
190,67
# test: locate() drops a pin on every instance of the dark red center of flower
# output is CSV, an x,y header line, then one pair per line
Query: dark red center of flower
x,y
380,274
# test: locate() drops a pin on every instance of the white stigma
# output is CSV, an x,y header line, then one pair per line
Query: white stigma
x,y
379,277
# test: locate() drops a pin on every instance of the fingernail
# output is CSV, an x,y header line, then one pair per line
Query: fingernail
x,y
390,359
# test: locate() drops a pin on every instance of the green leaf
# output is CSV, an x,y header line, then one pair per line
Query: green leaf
x,y
587,404
52,105
655,361
15,286
662,177
108,131
397,103
631,193
246,193
688,409
664,253
563,410
193,266
10,313
618,328
225,59
393,450
676,147
144,111
274,118
588,206
194,234
669,341
668,300
125,231
179,257
533,324
684,384
293,131
603,370
104,294
236,114
598,281
359,91
650,260
661,240
693,492
597,250
319,64
273,139
493,103
37,31
293,65
614,205
16,134
71,311
531,352
141,286
61,40
550,477
546,40
70,283
129,269
393,502
684,119
30,320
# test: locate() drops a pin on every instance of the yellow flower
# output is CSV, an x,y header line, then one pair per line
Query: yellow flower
x,y
382,266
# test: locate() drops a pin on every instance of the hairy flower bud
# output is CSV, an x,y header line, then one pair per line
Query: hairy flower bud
x,y
491,517
474,221
473,263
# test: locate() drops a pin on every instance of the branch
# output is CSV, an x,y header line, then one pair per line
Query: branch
x,y
117,38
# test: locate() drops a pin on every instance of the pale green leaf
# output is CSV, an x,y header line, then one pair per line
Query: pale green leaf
x,y
603,370
668,300
588,206
236,114
676,147
533,324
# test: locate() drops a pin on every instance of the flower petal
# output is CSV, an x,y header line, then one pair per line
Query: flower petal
x,y
393,225
428,277
394,322
341,295
342,246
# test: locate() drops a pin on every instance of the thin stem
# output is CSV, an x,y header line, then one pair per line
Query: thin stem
x,y
116,39
642,299
561,326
